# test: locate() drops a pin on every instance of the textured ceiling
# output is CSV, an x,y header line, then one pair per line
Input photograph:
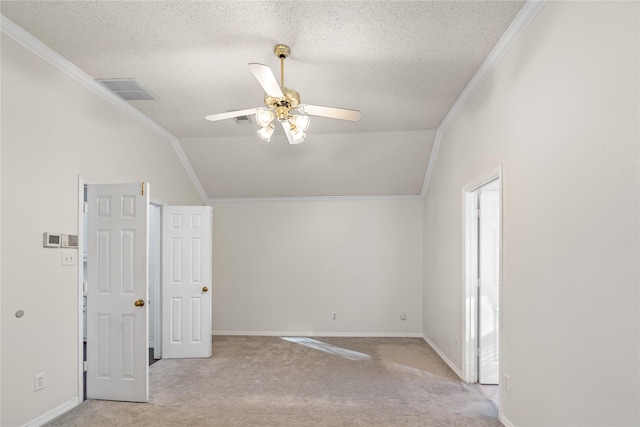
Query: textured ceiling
x,y
401,63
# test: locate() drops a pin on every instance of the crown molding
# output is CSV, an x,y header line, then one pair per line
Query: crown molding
x,y
212,201
23,37
432,163
524,17
188,168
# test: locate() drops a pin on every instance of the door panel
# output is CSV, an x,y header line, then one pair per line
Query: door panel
x,y
117,276
489,273
186,281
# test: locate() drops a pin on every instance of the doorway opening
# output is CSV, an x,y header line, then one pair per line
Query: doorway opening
x,y
483,277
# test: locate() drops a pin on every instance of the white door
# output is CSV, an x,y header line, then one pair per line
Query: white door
x,y
186,281
117,292
489,295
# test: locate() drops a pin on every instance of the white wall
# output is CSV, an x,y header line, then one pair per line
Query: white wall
x,y
283,267
54,129
560,112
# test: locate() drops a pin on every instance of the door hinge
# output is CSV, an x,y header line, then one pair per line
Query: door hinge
x,y
478,353
142,192
478,213
477,282
85,366
85,207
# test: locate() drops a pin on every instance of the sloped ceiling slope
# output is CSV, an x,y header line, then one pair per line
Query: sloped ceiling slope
x,y
401,63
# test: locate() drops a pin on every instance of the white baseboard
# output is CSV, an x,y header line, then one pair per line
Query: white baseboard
x,y
54,413
505,421
453,367
321,334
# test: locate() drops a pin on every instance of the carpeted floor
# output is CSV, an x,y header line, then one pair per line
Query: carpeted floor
x,y
270,381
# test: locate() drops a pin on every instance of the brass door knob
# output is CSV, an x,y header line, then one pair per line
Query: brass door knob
x,y
205,289
139,303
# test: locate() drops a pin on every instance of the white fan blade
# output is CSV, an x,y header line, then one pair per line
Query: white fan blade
x,y
287,130
231,114
333,113
267,80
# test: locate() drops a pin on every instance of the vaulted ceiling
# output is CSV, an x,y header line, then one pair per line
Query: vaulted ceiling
x,y
403,64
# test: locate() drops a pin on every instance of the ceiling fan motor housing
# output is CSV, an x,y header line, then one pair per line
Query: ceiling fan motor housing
x,y
282,106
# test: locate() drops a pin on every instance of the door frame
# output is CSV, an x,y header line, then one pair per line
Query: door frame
x,y
157,285
82,181
470,273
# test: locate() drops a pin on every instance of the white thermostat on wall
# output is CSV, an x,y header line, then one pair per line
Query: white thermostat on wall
x,y
51,240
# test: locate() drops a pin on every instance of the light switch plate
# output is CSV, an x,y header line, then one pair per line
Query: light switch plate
x,y
69,257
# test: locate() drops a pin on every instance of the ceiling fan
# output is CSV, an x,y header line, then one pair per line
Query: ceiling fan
x,y
283,105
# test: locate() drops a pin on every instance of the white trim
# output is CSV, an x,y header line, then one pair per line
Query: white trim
x,y
521,21
484,178
432,163
36,46
469,290
157,285
157,202
519,24
213,201
504,420
319,334
82,181
446,360
54,413
188,168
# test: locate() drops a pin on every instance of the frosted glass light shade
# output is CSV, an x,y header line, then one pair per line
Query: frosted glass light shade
x,y
264,117
301,122
266,132
298,135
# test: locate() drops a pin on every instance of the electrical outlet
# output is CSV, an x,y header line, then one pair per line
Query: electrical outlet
x,y
335,316
507,383
403,315
39,381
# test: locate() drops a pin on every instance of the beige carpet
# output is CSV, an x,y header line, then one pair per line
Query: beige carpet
x,y
270,381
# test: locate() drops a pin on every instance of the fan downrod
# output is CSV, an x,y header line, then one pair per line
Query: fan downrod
x,y
291,97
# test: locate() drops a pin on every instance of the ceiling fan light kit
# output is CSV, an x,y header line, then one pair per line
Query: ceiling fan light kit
x,y
266,132
283,105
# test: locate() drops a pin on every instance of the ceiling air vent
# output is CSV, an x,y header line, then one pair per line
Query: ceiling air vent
x,y
243,120
128,89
